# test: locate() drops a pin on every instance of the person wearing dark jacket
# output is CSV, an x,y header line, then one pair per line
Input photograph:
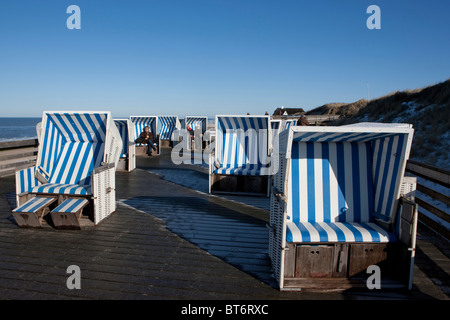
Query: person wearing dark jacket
x,y
146,137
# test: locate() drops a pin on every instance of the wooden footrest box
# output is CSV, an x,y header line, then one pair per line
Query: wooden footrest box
x,y
67,215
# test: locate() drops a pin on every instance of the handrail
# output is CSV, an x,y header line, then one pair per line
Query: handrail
x,y
435,217
16,154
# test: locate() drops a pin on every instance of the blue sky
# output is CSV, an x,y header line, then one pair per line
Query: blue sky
x,y
207,57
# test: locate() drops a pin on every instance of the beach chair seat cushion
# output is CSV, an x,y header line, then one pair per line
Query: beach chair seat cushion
x,y
319,232
247,170
58,188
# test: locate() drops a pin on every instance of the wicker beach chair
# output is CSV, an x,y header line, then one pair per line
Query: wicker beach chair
x,y
127,160
240,163
199,125
166,127
139,123
77,157
338,206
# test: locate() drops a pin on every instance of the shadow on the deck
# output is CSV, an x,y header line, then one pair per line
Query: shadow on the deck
x,y
240,240
198,181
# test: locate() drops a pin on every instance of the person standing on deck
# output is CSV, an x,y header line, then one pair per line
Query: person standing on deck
x,y
146,137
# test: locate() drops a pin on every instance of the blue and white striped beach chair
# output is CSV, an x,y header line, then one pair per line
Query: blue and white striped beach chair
x,y
166,127
77,157
280,125
199,125
128,154
139,123
334,202
240,162
277,127
287,123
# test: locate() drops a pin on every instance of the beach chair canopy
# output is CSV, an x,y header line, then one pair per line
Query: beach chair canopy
x,y
279,125
242,144
343,178
72,146
127,135
276,125
196,123
167,125
289,123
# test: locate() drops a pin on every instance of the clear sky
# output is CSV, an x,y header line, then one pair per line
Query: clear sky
x,y
207,57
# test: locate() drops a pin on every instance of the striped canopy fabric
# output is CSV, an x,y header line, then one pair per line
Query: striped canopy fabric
x,y
140,122
342,179
73,145
280,125
242,144
276,126
289,123
26,180
122,126
196,123
166,126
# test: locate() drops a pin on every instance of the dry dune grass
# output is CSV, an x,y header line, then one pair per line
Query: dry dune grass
x,y
427,108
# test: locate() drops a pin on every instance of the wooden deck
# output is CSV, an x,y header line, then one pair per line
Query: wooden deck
x,y
170,241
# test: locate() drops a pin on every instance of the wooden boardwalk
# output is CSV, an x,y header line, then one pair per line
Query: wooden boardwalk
x,y
168,241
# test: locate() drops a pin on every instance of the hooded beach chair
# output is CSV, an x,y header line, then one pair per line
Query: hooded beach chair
x,y
336,206
139,123
287,123
77,156
127,160
240,163
278,126
199,125
167,126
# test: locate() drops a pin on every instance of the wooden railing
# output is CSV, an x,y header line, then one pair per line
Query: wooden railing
x,y
16,154
435,217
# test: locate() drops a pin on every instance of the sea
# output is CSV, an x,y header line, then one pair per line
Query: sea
x,y
18,128
25,128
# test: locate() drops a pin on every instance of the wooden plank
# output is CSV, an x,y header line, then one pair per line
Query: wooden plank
x,y
323,284
16,162
18,144
340,260
289,260
437,175
338,284
434,225
18,153
361,256
434,194
7,172
439,213
314,261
